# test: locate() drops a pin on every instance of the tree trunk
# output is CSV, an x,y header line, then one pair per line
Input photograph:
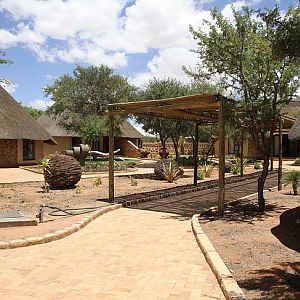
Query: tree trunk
x,y
261,183
175,144
163,145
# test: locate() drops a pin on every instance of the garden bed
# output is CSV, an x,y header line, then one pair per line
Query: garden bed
x,y
261,250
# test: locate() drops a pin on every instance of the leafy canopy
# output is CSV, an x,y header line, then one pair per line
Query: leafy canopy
x,y
86,93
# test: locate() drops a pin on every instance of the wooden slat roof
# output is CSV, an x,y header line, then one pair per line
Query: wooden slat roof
x,y
202,108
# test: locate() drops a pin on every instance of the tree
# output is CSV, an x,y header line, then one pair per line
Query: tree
x,y
164,128
92,128
4,61
240,54
286,41
35,113
86,93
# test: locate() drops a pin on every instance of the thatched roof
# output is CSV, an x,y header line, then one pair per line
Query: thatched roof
x,y
17,123
127,130
50,123
292,107
294,133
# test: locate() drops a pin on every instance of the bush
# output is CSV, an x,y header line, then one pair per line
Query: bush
x,y
200,175
170,171
257,165
293,178
185,161
208,170
235,170
133,181
297,162
98,181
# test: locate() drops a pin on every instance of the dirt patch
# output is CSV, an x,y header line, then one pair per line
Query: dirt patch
x,y
261,250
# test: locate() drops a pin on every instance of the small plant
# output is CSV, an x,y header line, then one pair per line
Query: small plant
x,y
235,170
170,172
98,181
133,181
78,190
257,165
293,178
200,175
245,162
297,161
208,170
44,165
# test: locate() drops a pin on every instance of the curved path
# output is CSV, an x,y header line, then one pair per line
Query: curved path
x,y
125,254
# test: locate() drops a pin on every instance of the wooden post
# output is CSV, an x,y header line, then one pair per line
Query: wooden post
x,y
196,152
242,154
280,156
221,195
272,154
111,158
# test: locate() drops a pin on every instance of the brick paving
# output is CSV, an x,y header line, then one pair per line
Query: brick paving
x,y
125,254
144,252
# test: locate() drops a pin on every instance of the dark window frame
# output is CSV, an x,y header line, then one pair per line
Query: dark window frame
x,y
28,150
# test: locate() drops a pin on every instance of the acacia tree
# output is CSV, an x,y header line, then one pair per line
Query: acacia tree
x,y
86,93
164,128
5,62
240,54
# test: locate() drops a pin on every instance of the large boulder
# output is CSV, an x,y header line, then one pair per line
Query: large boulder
x,y
64,171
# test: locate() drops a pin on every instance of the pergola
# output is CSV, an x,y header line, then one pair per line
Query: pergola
x,y
198,109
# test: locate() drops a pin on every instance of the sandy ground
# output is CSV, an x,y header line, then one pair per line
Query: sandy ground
x,y
262,251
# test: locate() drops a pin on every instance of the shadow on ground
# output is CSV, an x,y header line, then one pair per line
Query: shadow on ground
x,y
288,230
274,283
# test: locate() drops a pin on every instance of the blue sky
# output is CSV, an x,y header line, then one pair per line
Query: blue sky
x,y
140,39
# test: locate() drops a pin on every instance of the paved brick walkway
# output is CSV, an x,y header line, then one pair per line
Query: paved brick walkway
x,y
125,254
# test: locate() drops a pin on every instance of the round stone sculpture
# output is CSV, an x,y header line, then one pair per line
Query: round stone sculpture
x,y
64,171
159,167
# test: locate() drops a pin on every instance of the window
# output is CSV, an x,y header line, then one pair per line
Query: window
x,y
233,147
28,150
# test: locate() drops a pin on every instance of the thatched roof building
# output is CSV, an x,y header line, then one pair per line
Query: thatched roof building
x,y
294,133
17,123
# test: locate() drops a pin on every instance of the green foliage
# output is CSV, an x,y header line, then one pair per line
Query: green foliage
x,y
92,128
133,181
257,165
286,41
235,169
44,165
4,61
293,178
297,162
185,160
98,181
208,169
35,113
170,172
78,190
87,93
200,175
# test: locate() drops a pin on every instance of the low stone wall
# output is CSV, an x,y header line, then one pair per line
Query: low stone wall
x,y
186,149
8,153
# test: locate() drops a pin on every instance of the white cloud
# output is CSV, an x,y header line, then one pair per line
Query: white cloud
x,y
168,63
9,86
41,104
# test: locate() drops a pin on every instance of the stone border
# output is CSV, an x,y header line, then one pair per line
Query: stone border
x,y
59,234
228,284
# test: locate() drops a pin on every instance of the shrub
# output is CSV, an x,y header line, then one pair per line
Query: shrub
x,y
170,172
185,161
200,175
257,165
98,181
235,170
297,162
293,178
44,165
163,164
208,170
78,190
133,181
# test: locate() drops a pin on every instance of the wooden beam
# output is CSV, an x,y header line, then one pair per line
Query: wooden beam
x,y
221,195
111,158
195,153
280,156
242,154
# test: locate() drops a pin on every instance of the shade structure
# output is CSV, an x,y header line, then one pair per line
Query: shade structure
x,y
198,109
